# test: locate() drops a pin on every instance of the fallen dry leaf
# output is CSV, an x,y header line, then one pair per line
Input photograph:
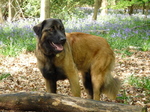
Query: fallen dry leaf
x,y
25,76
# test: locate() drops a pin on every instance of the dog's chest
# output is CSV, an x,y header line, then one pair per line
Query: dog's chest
x,y
60,73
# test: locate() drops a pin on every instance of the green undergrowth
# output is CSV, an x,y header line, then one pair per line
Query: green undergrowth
x,y
122,31
3,76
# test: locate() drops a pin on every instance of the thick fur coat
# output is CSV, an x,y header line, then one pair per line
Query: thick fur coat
x,y
62,55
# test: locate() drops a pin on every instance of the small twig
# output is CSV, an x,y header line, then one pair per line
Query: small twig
x,y
20,9
99,31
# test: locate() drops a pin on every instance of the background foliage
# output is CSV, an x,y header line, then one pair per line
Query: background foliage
x,y
31,8
58,8
65,8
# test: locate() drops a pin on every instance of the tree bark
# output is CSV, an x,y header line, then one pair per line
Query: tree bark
x,y
97,5
130,9
1,14
147,8
45,9
35,101
113,2
143,8
104,8
11,10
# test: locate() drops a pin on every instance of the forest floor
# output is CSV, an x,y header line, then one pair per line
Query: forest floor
x,y
25,76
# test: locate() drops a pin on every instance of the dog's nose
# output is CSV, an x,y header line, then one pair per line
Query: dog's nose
x,y
62,40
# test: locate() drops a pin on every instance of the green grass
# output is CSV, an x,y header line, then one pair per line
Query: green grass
x,y
119,43
18,36
125,52
125,98
3,76
17,46
141,82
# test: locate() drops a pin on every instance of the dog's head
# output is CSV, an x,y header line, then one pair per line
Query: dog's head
x,y
51,36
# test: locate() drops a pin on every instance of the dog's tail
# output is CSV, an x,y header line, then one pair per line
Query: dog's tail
x,y
111,85
111,88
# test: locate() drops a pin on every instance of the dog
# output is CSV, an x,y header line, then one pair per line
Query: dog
x,y
62,55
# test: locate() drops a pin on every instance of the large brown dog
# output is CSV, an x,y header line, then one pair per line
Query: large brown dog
x,y
60,56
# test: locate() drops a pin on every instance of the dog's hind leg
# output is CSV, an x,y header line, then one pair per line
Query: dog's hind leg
x,y
97,82
97,78
102,79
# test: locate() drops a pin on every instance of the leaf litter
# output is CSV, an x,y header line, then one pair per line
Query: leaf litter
x,y
25,76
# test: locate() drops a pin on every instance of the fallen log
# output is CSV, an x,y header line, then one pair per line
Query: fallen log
x,y
36,101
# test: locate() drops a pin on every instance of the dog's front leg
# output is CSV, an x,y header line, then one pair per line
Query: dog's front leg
x,y
70,69
74,81
50,80
72,75
50,85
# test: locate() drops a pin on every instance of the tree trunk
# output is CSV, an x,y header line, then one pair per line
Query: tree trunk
x,y
97,5
1,14
147,8
130,9
11,10
104,8
143,8
113,2
35,101
45,9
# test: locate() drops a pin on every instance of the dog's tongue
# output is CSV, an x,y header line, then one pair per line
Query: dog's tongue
x,y
59,47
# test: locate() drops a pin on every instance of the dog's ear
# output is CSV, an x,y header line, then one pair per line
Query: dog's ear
x,y
38,28
60,21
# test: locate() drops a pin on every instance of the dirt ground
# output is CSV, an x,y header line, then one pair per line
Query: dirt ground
x,y
25,76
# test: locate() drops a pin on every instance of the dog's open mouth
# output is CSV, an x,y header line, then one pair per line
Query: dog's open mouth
x,y
57,47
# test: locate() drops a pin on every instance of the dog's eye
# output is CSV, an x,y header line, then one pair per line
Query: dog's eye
x,y
62,28
51,29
